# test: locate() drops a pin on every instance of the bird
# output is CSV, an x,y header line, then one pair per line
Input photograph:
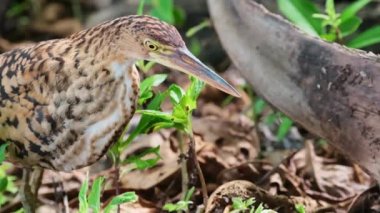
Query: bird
x,y
64,102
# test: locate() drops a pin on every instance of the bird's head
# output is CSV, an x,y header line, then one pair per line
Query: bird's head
x,y
157,41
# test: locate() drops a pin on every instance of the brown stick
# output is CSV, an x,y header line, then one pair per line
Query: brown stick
x,y
328,89
28,199
193,160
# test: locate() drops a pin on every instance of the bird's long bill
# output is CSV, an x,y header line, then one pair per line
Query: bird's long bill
x,y
183,60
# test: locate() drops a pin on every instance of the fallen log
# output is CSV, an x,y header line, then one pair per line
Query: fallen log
x,y
330,90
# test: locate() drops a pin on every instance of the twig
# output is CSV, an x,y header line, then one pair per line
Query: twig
x,y
265,177
193,156
28,199
36,179
182,160
116,180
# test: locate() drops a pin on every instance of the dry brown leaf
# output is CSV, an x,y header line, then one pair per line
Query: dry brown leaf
x,y
235,140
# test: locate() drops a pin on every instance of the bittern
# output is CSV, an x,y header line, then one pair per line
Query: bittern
x,y
65,101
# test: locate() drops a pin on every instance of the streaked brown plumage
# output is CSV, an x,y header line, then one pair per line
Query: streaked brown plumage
x,y
63,102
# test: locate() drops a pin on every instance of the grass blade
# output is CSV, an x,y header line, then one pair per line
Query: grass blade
x,y
94,196
366,38
353,9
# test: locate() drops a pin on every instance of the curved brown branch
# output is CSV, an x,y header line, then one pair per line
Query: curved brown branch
x,y
330,90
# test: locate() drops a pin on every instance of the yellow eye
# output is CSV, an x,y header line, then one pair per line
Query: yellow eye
x,y
150,45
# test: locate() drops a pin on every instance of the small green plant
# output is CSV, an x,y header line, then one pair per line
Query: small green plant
x,y
153,119
239,205
279,120
8,188
300,208
141,161
182,205
91,201
331,25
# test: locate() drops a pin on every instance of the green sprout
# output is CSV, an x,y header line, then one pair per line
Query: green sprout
x,y
90,202
182,205
240,205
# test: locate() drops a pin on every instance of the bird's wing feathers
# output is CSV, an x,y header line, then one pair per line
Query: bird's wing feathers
x,y
27,82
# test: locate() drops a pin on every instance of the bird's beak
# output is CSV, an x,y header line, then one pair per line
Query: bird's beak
x,y
183,60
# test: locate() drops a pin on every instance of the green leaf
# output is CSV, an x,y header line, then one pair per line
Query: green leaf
x,y
163,9
194,30
260,208
163,125
140,9
146,86
270,119
189,193
146,121
366,38
3,148
300,13
284,128
350,26
351,10
141,163
179,15
259,107
328,37
179,206
83,205
238,203
182,205
126,197
196,88
300,208
3,184
94,196
157,114
330,8
321,16
176,93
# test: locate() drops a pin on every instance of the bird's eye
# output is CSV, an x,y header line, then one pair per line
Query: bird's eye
x,y
151,46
